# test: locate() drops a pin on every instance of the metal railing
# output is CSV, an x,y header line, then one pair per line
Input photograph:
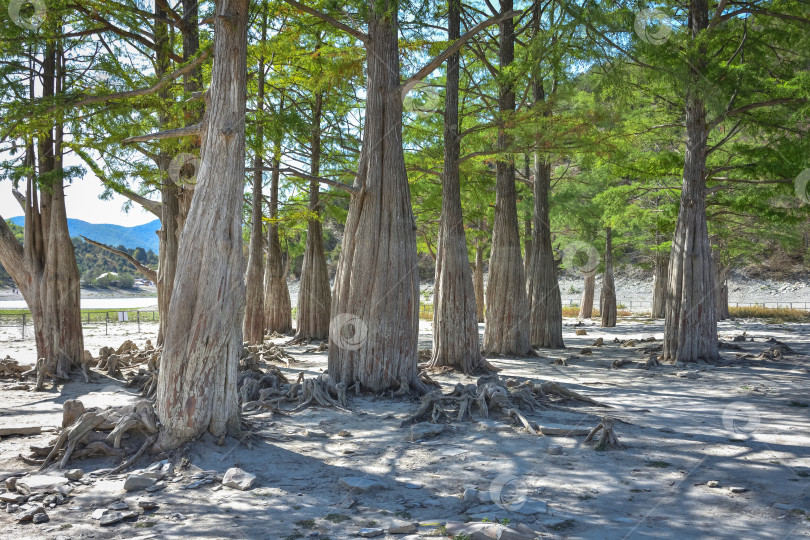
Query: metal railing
x,y
24,321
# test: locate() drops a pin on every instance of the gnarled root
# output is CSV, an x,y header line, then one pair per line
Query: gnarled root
x,y
608,438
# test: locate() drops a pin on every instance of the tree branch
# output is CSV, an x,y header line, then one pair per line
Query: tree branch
x,y
334,22
148,273
20,198
298,174
453,49
168,134
11,254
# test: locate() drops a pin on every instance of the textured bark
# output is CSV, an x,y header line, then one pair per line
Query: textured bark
x,y
253,326
277,305
478,281
44,267
314,295
659,295
588,288
507,316
374,327
455,328
545,303
721,272
607,299
690,329
197,378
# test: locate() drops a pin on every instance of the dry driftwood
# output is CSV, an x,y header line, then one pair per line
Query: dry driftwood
x,y
608,438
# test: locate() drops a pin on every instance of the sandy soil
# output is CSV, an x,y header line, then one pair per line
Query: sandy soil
x,y
738,422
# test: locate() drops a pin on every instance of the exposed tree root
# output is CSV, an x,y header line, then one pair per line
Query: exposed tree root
x,y
91,432
491,394
608,439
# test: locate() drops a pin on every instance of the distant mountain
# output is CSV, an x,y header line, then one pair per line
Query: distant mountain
x,y
142,236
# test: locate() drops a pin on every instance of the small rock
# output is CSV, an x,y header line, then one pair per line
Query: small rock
x,y
360,484
98,513
713,483
11,483
470,495
136,481
12,498
74,474
370,532
319,433
41,517
737,489
112,518
29,513
581,332
236,478
586,351
147,505
119,505
424,430
156,487
344,433
554,450
599,342
403,528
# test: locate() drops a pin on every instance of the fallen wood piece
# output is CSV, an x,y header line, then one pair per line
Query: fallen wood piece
x,y
146,445
608,438
562,432
554,388
20,430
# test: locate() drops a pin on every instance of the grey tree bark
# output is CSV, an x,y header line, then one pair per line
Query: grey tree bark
x,y
607,299
314,294
507,315
478,281
660,272
690,329
277,305
253,326
455,328
721,273
588,293
197,377
374,327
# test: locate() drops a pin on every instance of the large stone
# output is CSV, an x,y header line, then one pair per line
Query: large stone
x,y
424,430
136,481
29,513
41,517
162,468
40,483
74,474
12,498
236,478
360,484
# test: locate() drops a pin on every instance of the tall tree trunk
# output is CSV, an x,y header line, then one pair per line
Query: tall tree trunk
x,y
277,305
375,326
527,241
314,296
607,298
478,281
197,378
455,329
659,295
44,268
690,329
507,317
588,288
253,326
721,272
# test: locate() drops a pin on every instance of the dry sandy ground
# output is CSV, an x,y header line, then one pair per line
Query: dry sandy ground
x,y
740,423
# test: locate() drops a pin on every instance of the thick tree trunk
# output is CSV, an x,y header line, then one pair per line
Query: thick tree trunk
x,y
545,303
588,288
721,272
659,295
478,281
507,317
253,326
197,378
44,267
314,296
455,329
277,305
690,330
607,298
374,327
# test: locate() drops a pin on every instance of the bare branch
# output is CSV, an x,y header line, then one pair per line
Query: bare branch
x,y
148,273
